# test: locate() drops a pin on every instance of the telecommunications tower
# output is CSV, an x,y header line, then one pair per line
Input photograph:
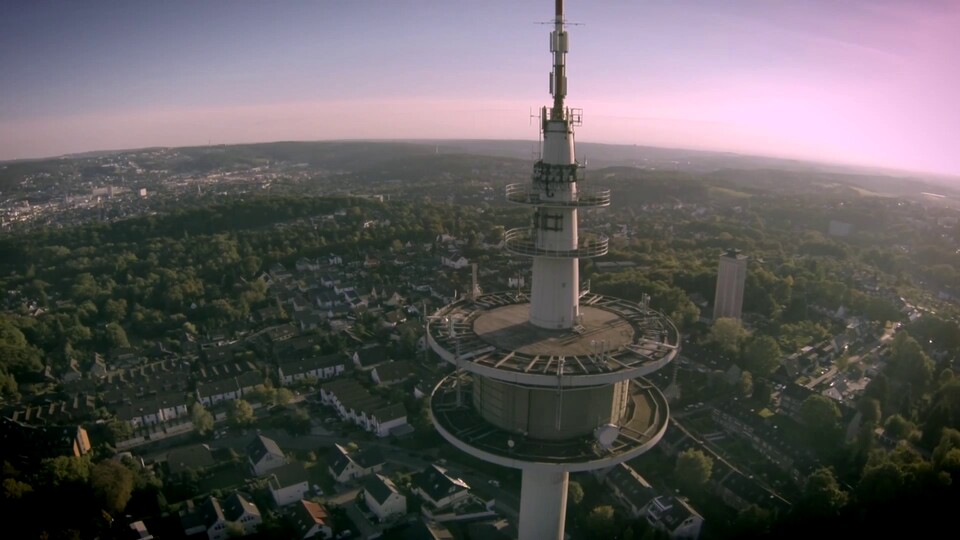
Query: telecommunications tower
x,y
550,382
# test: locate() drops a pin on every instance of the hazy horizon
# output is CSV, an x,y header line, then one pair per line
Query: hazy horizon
x,y
860,83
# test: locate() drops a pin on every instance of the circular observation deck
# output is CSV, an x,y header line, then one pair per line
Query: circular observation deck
x,y
640,427
523,241
614,340
585,197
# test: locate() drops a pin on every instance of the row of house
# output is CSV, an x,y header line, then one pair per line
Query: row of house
x,y
320,368
736,489
356,404
765,437
287,482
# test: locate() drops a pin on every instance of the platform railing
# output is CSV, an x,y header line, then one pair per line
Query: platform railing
x,y
523,241
586,197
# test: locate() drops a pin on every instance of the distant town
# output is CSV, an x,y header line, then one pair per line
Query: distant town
x,y
229,341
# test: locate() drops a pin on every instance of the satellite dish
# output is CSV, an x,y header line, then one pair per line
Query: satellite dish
x,y
606,435
510,443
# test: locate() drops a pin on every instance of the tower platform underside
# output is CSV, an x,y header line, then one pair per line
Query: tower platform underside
x,y
642,424
613,340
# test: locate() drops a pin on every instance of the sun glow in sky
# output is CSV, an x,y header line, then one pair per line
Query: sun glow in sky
x,y
873,82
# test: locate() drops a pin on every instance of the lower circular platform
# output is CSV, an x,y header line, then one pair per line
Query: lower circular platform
x,y
641,426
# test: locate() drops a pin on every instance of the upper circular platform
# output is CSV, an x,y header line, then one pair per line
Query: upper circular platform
x,y
613,341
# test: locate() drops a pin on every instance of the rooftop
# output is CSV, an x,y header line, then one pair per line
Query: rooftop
x,y
614,340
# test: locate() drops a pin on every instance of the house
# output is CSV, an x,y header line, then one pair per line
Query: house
x,y
392,372
674,516
238,509
311,520
195,457
98,369
630,489
383,498
309,319
279,333
249,381
288,483
438,488
138,531
211,393
356,404
792,398
307,265
386,420
264,455
318,367
454,260
72,373
218,518
344,466
154,409
740,491
368,357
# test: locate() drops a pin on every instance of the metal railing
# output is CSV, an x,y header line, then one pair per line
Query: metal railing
x,y
585,197
523,241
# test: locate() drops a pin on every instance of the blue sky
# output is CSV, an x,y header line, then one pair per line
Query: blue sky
x,y
869,82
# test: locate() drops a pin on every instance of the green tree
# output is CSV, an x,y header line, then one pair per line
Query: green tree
x,y
821,415
761,356
119,430
944,412
881,482
752,521
14,489
112,483
908,362
201,418
745,387
283,396
297,423
727,334
601,523
693,469
8,385
115,336
822,496
949,440
63,470
898,427
574,493
240,413
870,409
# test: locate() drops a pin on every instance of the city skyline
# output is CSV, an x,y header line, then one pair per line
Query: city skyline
x,y
864,83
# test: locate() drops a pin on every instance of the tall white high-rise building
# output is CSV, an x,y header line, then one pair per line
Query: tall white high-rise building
x,y
728,301
550,381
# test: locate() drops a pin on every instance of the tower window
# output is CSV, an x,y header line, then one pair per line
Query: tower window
x,y
551,222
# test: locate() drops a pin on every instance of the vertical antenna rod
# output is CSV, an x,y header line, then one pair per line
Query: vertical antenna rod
x,y
558,46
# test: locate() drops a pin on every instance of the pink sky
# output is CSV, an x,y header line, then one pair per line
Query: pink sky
x,y
862,82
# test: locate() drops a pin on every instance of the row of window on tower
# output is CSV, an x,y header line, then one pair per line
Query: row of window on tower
x,y
547,221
